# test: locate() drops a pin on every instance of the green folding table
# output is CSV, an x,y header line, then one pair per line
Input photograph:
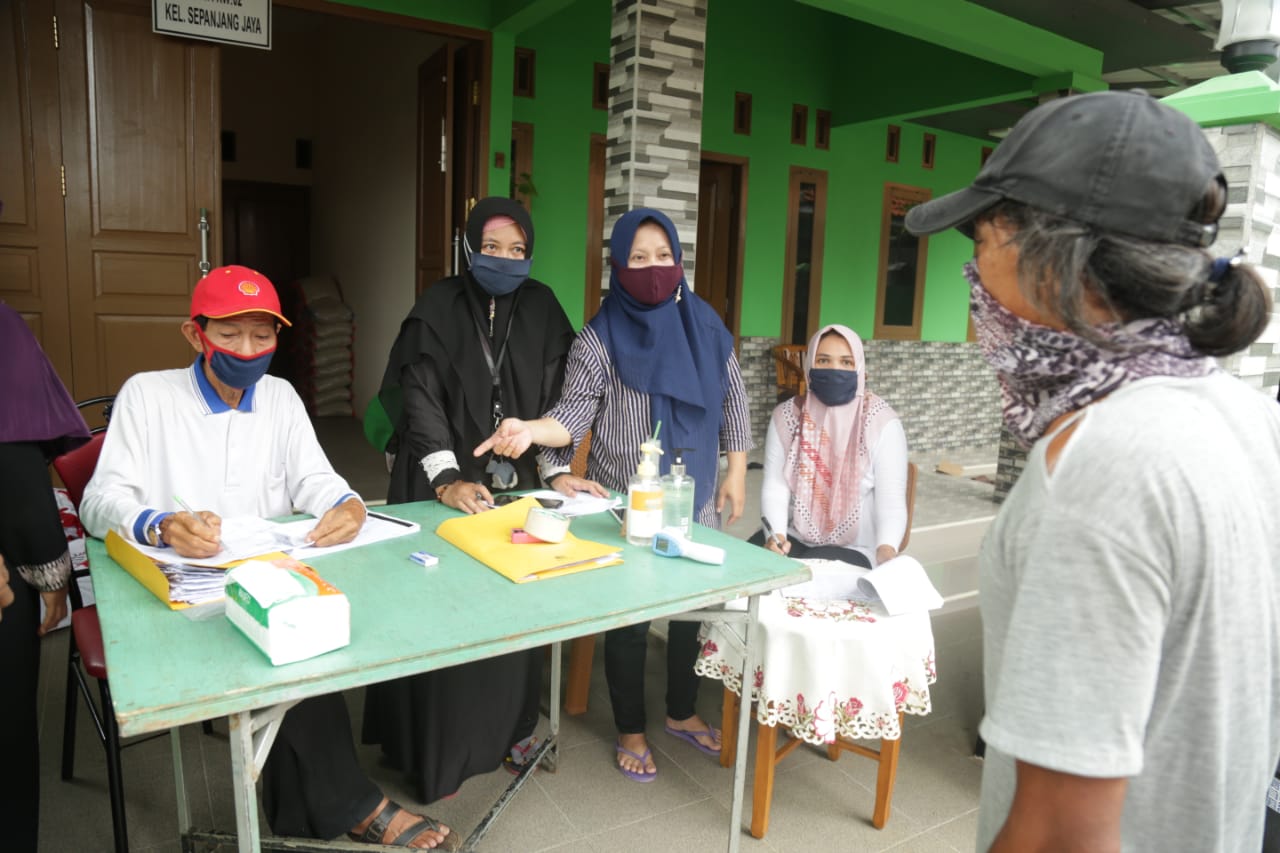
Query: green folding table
x,y
167,670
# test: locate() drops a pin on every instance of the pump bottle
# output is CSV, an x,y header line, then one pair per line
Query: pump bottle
x,y
644,496
677,496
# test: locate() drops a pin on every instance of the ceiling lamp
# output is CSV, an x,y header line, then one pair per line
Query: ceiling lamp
x,y
1250,34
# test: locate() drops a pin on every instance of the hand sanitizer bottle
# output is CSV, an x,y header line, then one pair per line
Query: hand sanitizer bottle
x,y
677,496
644,496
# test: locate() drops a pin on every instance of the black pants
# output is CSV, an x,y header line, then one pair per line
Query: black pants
x,y
799,551
624,654
312,783
19,747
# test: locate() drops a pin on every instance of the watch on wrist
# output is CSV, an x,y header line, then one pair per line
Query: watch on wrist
x,y
154,539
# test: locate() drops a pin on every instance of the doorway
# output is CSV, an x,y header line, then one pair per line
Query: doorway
x,y
722,225
806,230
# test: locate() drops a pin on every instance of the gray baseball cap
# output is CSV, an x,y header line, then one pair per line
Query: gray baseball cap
x,y
1120,161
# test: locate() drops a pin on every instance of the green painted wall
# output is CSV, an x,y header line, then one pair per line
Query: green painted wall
x,y
739,53
464,13
568,45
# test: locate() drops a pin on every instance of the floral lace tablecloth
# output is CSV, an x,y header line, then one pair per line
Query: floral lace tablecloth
x,y
830,667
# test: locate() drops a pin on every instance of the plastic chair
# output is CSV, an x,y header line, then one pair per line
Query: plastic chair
x,y
768,754
788,361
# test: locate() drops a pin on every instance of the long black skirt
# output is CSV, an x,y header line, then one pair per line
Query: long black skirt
x,y
443,727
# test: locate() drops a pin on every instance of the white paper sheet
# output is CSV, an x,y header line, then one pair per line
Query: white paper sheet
x,y
582,503
377,528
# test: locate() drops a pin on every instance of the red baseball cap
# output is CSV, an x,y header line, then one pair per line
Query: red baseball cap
x,y
234,290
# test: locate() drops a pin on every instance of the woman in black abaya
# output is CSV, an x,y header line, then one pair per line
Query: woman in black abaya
x,y
477,347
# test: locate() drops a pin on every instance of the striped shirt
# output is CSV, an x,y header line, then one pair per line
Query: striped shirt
x,y
594,398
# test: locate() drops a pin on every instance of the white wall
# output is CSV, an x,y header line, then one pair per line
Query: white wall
x,y
364,199
352,88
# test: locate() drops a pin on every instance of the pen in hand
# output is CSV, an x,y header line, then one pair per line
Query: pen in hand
x,y
769,534
186,508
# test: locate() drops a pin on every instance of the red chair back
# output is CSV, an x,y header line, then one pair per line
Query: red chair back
x,y
76,467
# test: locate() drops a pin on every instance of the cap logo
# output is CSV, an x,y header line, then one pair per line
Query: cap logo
x,y
248,288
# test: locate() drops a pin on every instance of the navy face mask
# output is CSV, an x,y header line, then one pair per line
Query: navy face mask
x,y
499,276
833,387
236,370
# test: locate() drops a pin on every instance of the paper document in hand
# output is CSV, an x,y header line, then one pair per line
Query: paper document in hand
x,y
901,585
243,537
582,503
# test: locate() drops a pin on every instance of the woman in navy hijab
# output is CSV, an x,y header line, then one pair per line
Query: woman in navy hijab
x,y
654,353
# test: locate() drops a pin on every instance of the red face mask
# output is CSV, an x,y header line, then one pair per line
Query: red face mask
x,y
650,285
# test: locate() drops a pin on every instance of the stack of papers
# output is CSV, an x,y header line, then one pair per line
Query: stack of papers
x,y
190,584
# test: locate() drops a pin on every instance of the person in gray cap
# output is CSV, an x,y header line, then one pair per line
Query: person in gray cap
x,y
1130,596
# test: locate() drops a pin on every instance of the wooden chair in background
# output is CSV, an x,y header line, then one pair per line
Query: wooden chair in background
x,y
768,754
788,360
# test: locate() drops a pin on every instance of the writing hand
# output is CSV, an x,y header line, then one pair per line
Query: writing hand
x,y
778,544
198,535
512,438
338,525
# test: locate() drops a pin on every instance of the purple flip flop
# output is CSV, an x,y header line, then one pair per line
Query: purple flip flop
x,y
692,738
634,775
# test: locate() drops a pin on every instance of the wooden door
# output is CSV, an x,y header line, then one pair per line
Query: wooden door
x,y
32,231
719,264
467,161
434,242
140,121
806,234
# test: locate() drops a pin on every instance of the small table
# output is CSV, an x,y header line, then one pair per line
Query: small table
x,y
831,671
167,671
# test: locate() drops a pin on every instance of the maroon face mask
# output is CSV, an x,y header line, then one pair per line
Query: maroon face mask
x,y
650,285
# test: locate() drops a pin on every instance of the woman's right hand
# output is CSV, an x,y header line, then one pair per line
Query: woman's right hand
x,y
6,593
466,496
512,438
569,485
782,547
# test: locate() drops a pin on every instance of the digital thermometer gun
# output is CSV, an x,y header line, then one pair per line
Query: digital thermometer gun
x,y
670,542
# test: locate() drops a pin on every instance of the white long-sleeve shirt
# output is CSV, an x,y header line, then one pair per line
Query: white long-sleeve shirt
x,y
172,437
882,492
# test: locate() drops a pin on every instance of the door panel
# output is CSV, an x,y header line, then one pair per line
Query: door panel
x,y
140,120
32,231
434,258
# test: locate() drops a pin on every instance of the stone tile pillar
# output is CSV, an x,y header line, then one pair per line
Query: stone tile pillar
x,y
655,114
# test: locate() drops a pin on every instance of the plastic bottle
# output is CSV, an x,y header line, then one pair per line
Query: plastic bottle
x,y
644,496
677,496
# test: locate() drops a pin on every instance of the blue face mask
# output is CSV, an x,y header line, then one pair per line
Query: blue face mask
x,y
237,371
833,387
499,276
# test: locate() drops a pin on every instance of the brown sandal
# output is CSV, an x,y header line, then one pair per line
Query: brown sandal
x,y
378,827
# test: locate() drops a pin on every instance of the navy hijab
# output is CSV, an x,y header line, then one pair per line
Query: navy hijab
x,y
676,352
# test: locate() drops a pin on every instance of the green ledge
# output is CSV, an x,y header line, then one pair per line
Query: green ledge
x,y
1243,98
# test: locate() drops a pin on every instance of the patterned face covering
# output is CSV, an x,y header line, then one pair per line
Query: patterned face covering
x,y
1045,373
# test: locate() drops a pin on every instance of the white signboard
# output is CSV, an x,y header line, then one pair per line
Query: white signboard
x,y
243,22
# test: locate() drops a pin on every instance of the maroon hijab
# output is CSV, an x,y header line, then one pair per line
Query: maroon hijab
x,y
34,405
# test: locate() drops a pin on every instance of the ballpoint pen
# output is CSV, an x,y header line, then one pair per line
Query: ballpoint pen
x,y
180,502
768,532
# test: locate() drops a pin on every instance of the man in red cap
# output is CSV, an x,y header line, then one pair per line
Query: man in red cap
x,y
227,439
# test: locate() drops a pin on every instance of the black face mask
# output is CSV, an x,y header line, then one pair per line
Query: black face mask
x,y
833,387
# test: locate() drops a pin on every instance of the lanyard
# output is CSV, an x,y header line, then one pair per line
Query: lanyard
x,y
496,366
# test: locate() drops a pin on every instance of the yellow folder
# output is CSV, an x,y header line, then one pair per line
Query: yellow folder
x,y
147,573
487,537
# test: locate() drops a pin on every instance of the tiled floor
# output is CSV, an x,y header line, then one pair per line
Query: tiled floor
x,y
588,807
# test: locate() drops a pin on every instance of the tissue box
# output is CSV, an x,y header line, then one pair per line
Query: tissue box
x,y
287,610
